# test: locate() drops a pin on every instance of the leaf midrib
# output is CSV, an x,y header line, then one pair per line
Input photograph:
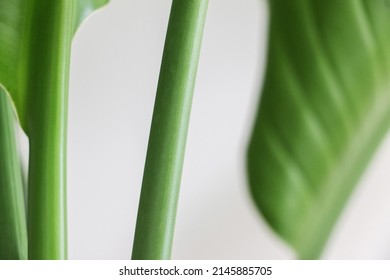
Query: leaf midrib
x,y
333,193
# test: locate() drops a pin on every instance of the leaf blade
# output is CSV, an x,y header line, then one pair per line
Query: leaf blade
x,y
15,29
13,225
323,112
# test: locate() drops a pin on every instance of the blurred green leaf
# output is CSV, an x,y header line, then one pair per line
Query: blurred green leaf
x,y
324,110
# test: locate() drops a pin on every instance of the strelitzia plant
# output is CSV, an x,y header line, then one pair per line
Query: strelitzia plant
x,y
34,68
35,48
324,109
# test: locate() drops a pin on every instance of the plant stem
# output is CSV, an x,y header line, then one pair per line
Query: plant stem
x,y
164,162
47,128
13,226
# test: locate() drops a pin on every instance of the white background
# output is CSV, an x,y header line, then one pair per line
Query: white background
x,y
114,72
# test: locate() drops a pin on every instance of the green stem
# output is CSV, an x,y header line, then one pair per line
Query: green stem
x,y
163,168
13,228
47,127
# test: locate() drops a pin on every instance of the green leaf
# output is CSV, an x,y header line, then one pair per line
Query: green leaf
x,y
164,161
35,49
324,109
13,226
20,24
